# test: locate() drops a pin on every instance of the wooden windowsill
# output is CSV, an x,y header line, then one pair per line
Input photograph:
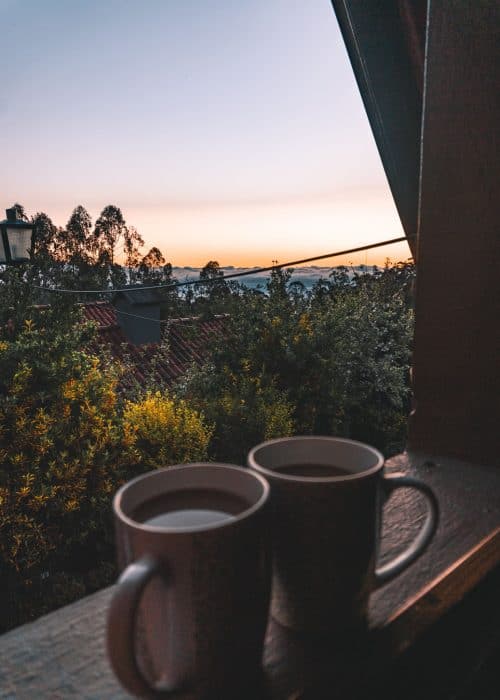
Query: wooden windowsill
x,y
62,654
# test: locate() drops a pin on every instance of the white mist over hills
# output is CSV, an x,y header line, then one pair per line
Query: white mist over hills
x,y
308,275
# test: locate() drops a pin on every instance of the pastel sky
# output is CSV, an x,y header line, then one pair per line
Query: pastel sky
x,y
231,131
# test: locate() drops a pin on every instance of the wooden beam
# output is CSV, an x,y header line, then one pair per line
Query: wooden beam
x,y
457,340
384,41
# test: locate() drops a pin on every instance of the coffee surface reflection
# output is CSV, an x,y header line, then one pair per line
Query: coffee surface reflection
x,y
189,508
323,471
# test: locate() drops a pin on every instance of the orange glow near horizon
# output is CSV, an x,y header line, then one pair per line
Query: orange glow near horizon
x,y
256,234
259,156
211,149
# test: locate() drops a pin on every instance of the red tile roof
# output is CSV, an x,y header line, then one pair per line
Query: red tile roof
x,y
188,341
101,312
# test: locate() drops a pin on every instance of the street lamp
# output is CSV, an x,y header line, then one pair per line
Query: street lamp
x,y
15,238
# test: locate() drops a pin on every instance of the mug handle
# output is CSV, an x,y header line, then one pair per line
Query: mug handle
x,y
398,564
121,626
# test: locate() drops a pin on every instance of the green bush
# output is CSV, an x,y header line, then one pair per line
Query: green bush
x,y
59,449
67,442
242,410
159,430
333,361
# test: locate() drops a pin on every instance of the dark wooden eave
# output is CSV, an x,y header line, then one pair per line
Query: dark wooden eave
x,y
435,112
385,42
428,73
457,331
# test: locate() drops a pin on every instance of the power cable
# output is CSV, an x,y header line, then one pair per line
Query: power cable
x,y
144,318
233,275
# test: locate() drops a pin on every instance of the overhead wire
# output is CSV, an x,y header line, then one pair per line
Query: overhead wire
x,y
222,278
144,318
164,321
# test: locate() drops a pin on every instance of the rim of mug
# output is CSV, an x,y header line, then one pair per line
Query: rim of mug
x,y
253,464
118,510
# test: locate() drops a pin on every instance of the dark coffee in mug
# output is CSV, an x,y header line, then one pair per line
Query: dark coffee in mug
x,y
324,471
326,530
190,508
189,613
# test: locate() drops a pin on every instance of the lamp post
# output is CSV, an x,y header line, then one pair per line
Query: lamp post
x,y
15,238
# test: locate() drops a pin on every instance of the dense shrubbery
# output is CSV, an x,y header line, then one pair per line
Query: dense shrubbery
x,y
159,430
67,441
242,409
332,361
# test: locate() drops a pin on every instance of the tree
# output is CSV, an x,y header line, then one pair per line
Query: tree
x,y
153,269
211,271
214,295
43,242
153,259
78,236
131,245
337,357
214,287
79,257
110,229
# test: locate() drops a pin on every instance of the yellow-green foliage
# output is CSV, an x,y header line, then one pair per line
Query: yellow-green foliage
x,y
55,461
59,441
159,431
67,442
